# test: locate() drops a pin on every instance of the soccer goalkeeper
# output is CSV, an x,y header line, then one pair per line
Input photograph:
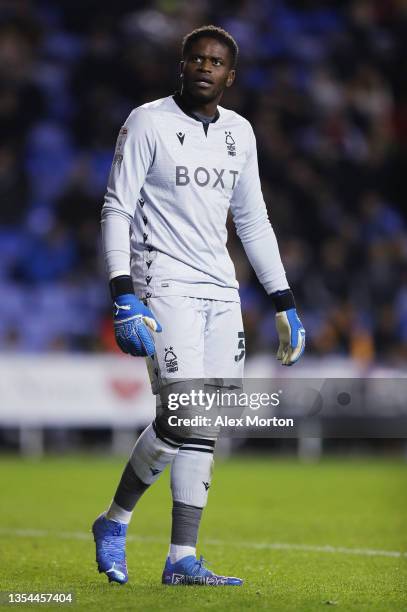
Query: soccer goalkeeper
x,y
180,163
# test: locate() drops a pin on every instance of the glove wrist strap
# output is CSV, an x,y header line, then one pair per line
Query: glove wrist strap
x,y
283,300
120,285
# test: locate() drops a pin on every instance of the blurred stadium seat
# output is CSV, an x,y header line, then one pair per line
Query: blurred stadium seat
x,y
323,84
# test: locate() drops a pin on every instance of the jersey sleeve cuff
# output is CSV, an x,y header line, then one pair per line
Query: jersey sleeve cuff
x,y
283,300
121,285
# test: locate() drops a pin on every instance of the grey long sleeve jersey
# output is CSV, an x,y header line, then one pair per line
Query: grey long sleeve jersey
x,y
170,188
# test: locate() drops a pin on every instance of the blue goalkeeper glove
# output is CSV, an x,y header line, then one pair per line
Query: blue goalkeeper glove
x,y
292,337
132,324
291,332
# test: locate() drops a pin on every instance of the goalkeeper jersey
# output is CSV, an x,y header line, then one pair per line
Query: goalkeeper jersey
x,y
172,182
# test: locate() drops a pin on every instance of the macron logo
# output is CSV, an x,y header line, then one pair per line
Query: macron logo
x,y
118,308
181,137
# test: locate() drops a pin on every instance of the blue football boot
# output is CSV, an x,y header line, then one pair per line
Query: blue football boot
x,y
190,571
110,538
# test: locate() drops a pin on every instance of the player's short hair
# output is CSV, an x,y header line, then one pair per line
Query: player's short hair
x,y
211,31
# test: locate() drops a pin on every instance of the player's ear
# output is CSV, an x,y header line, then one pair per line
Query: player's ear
x,y
181,69
231,78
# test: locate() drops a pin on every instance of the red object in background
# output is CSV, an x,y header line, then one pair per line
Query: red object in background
x,y
107,337
126,389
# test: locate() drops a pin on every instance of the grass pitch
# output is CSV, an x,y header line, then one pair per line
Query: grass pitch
x,y
269,521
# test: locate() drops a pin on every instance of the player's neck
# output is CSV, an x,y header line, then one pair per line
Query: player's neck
x,y
207,109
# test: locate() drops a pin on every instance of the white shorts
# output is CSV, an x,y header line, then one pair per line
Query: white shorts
x,y
201,339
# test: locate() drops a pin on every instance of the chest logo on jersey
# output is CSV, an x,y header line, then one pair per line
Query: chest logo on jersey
x,y
203,177
230,144
181,137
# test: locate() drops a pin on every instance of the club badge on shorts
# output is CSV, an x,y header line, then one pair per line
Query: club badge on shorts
x,y
171,360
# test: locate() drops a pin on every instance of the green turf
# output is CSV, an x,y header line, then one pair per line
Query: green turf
x,y
353,503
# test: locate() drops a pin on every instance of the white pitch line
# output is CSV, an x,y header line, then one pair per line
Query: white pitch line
x,y
82,535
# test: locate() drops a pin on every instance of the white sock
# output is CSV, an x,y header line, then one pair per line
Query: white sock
x,y
151,455
178,552
191,473
120,515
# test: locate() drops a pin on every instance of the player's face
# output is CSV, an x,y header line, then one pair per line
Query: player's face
x,y
206,70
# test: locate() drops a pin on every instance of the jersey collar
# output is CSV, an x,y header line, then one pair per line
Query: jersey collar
x,y
185,109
